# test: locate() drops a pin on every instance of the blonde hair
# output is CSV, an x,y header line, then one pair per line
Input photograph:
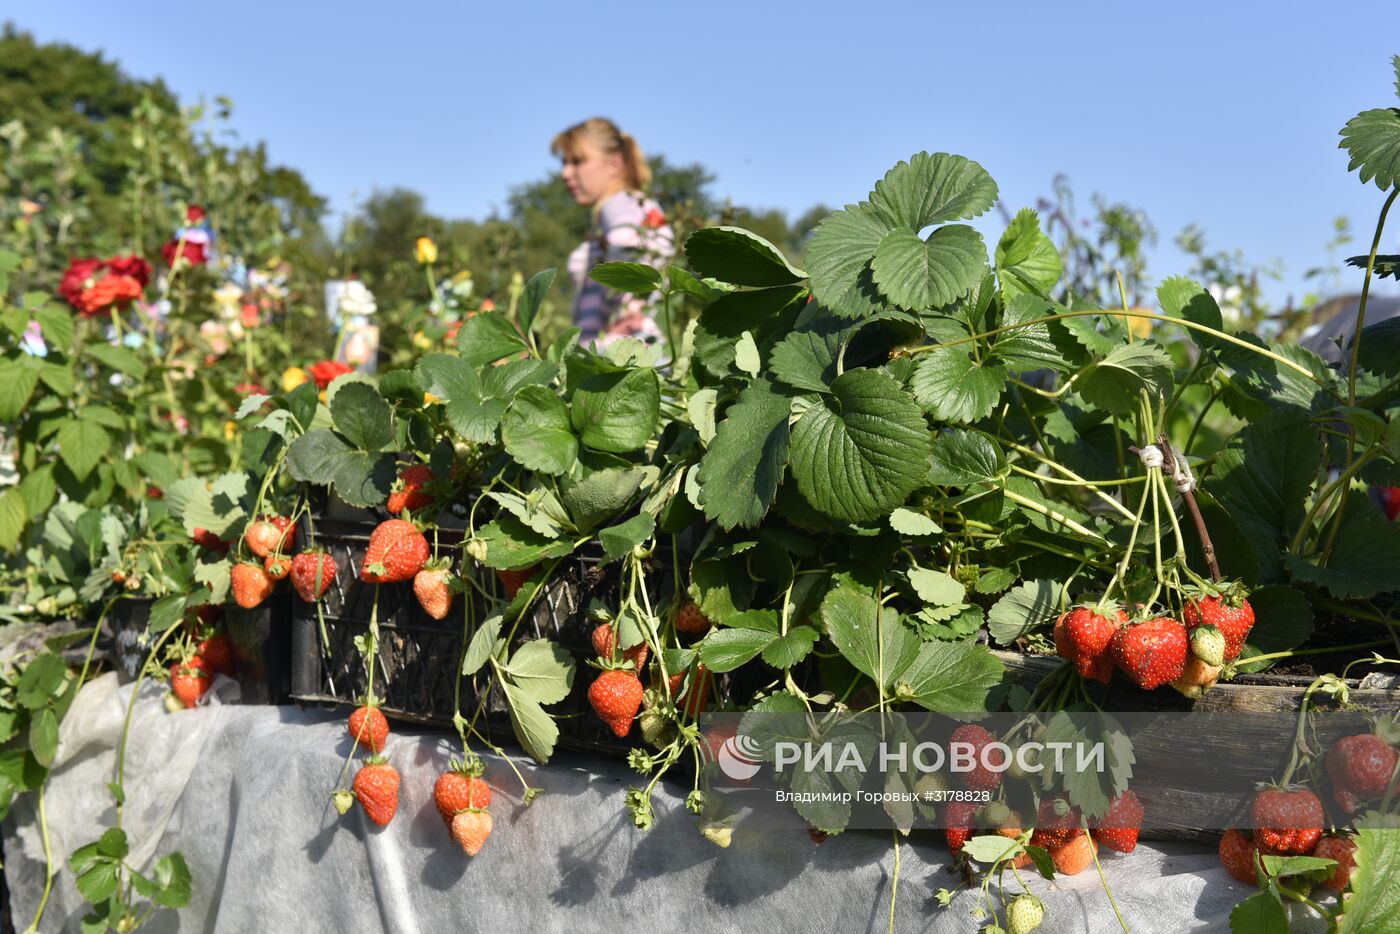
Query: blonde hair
x,y
608,139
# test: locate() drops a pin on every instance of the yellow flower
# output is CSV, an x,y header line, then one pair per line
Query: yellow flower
x,y
230,430
421,340
1141,328
292,377
427,250
430,399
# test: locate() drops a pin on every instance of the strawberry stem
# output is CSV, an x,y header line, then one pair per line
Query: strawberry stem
x,y
1094,851
1207,546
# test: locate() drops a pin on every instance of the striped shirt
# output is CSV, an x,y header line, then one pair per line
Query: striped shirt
x,y
629,227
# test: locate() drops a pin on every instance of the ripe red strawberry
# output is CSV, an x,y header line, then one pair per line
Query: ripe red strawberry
x,y
1086,638
370,727
1391,495
512,581
979,778
692,702
616,696
1230,613
961,820
433,588
1237,851
209,541
250,583
408,492
1075,856
1118,829
268,534
277,566
1286,822
1056,824
1343,850
690,619
397,551
470,829
218,655
304,569
456,790
189,682
376,787
1152,653
1360,767
604,644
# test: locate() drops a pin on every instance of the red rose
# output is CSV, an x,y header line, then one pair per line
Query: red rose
x,y
111,291
193,253
249,316
133,266
326,371
76,278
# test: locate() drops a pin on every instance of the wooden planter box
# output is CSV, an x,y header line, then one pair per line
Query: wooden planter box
x,y
1256,750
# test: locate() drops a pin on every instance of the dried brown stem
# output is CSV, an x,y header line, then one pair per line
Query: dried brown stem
x,y
1207,547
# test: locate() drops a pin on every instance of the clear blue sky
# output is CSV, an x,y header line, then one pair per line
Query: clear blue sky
x,y
1223,113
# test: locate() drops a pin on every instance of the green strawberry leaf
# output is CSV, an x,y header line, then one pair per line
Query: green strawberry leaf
x,y
1364,555
362,417
621,539
1027,262
955,388
952,677
922,274
616,412
638,278
787,650
535,430
1114,382
487,337
871,638
1261,913
729,648
1372,139
965,459
543,670
1023,609
535,729
860,452
838,257
740,472
1263,478
740,257
1374,904
933,189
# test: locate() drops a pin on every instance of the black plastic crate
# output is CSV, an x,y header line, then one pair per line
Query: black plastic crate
x,y
261,637
419,657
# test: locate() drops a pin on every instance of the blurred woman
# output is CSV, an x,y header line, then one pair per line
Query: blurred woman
x,y
604,168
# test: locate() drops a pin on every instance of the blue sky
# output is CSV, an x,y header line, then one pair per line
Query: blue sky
x,y
1222,113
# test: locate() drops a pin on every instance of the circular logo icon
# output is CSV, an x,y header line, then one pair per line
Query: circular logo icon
x,y
738,757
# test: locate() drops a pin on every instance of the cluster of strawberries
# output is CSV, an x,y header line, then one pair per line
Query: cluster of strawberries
x,y
1058,828
397,551
1288,820
200,652
617,693
462,796
1188,654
